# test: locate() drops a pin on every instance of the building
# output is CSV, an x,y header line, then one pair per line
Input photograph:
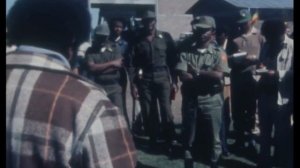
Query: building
x,y
171,14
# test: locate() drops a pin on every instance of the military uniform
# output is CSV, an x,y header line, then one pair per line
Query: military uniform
x,y
156,59
244,92
110,81
202,99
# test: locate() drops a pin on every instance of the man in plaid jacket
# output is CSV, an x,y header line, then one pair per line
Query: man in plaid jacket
x,y
55,118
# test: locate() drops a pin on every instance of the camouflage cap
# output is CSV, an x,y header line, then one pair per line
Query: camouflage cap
x,y
203,22
149,15
244,16
102,29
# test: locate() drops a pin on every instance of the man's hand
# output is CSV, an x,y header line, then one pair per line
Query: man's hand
x,y
134,92
251,57
271,73
174,87
186,77
118,63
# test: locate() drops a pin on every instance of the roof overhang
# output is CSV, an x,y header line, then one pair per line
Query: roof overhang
x,y
280,9
124,2
262,4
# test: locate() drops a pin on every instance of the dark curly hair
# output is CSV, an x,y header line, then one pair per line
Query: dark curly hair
x,y
49,23
273,28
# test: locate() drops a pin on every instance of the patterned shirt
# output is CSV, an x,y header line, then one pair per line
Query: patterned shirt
x,y
55,118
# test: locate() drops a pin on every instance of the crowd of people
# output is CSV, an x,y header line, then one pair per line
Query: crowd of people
x,y
69,111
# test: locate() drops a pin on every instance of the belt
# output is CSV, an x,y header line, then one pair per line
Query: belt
x,y
107,82
155,69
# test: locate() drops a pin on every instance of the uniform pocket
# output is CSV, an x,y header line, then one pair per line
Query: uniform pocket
x,y
161,48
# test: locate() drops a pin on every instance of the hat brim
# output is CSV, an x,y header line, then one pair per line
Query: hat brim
x,y
101,34
149,17
205,26
244,20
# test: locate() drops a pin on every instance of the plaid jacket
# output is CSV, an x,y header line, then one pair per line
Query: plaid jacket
x,y
57,119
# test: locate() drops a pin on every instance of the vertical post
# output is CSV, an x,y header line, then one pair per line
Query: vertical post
x,y
156,11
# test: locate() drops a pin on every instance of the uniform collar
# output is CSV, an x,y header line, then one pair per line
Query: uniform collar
x,y
158,34
285,41
209,49
252,31
118,40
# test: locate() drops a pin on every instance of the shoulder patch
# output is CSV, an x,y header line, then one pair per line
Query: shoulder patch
x,y
223,57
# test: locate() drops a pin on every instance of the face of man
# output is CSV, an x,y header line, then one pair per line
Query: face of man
x,y
99,39
274,32
274,37
118,28
203,35
149,24
221,37
244,27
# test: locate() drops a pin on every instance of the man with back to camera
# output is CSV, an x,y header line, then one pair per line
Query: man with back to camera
x,y
155,56
201,69
55,118
243,83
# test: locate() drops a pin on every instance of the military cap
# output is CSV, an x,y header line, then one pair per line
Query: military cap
x,y
148,15
102,29
244,16
203,22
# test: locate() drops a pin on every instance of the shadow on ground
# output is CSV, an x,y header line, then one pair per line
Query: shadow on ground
x,y
159,157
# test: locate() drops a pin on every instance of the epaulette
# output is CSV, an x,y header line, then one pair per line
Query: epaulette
x,y
215,48
160,34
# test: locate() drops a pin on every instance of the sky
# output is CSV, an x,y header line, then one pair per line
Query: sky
x,y
93,11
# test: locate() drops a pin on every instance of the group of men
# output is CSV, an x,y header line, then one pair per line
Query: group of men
x,y
56,118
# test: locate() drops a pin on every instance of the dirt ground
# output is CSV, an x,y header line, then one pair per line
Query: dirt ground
x,y
159,159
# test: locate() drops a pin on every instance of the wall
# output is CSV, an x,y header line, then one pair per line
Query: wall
x,y
171,16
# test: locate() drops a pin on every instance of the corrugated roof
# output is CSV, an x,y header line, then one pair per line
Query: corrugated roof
x,y
279,4
137,2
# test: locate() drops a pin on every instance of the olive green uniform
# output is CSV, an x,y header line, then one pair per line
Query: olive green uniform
x,y
202,99
157,60
109,81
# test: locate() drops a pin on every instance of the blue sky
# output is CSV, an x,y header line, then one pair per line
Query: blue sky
x,y
94,12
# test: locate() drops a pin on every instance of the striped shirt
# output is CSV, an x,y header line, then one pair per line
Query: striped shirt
x,y
57,119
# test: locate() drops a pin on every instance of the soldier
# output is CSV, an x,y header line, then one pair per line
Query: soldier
x,y
154,57
201,69
104,62
243,82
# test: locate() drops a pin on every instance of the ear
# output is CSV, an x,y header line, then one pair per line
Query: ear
x,y
213,32
69,53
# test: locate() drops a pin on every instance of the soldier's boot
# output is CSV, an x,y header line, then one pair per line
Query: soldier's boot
x,y
188,159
